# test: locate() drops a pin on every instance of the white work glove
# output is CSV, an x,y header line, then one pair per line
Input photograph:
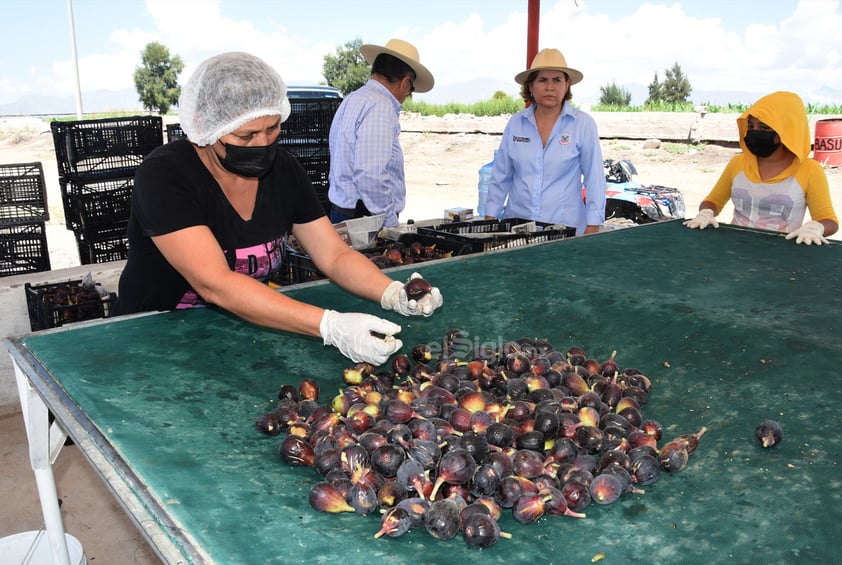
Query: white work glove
x,y
810,232
702,220
395,298
351,334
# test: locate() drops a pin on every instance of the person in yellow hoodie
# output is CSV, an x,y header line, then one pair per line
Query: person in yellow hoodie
x,y
772,183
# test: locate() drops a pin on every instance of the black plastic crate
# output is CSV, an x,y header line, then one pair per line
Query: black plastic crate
x,y
105,148
315,159
414,248
316,162
174,132
486,235
107,244
90,205
23,248
23,193
442,248
52,305
97,210
299,268
309,121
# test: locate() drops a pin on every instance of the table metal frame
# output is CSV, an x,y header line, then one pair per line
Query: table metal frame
x,y
40,396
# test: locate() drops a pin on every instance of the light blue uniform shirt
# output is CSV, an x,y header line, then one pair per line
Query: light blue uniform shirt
x,y
366,159
533,182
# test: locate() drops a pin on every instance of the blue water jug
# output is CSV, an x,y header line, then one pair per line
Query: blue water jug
x,y
482,187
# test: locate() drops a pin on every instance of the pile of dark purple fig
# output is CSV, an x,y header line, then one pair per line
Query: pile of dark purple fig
x,y
400,253
447,444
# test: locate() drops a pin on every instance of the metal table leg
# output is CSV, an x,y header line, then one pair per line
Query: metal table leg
x,y
45,442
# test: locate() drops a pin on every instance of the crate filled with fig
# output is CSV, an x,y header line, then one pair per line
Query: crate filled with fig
x,y
408,249
52,305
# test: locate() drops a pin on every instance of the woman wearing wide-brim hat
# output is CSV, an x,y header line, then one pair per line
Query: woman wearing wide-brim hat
x,y
366,159
549,164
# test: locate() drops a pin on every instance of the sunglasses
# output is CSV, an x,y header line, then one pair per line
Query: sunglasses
x,y
411,85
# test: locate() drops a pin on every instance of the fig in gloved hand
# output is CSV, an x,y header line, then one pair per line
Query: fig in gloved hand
x,y
358,336
413,298
417,288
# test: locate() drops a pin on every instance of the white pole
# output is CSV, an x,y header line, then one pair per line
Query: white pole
x,y
75,61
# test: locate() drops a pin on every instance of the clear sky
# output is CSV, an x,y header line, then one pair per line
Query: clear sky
x,y
472,47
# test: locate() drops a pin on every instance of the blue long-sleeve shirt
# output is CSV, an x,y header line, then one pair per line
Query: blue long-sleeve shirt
x,y
366,159
540,183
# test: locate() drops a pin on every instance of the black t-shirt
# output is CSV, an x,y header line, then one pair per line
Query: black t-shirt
x,y
173,190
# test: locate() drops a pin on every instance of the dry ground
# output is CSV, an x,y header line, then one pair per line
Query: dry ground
x,y
441,171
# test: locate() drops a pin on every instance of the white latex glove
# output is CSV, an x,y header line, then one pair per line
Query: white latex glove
x,y
810,232
350,333
702,220
395,298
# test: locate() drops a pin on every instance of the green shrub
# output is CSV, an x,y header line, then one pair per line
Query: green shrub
x,y
500,105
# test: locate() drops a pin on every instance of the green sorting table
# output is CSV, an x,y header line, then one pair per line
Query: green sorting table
x,y
732,326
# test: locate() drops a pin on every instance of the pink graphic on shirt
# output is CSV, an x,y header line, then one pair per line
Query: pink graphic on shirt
x,y
768,212
258,262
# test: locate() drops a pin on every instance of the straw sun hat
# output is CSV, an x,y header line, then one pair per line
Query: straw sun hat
x,y
549,60
407,53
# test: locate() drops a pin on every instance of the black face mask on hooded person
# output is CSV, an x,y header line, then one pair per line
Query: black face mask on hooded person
x,y
761,142
249,161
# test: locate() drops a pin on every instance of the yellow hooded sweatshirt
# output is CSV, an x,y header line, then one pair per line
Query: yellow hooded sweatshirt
x,y
779,203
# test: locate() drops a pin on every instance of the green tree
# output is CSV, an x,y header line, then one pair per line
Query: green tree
x,y
156,79
613,95
347,70
676,87
654,92
673,91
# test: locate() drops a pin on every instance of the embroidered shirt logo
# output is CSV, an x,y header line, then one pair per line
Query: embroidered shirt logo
x,y
519,139
565,138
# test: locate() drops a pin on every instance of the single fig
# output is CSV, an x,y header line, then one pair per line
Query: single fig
x,y
324,497
769,433
417,288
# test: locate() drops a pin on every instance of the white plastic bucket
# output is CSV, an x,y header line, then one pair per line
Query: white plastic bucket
x,y
33,548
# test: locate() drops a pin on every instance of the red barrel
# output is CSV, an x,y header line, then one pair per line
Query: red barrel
x,y
827,148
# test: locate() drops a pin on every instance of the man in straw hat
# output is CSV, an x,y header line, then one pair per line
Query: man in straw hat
x,y
366,159
549,153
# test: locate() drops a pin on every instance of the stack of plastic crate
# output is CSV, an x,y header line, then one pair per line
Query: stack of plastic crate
x,y
96,162
23,213
305,134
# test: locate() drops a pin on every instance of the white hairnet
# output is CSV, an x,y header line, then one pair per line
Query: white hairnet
x,y
225,92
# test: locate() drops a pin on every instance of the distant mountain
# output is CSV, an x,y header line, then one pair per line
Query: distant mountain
x,y
469,92
477,90
92,102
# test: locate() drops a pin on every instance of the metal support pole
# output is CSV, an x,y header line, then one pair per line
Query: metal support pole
x,y
534,17
75,60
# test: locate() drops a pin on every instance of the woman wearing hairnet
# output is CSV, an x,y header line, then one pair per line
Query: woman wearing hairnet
x,y
210,215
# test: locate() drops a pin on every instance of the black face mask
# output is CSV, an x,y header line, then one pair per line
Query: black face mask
x,y
249,161
761,142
